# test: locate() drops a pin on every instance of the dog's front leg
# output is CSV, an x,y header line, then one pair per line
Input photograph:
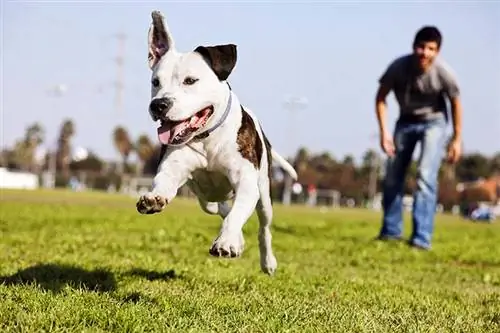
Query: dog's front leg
x,y
230,242
172,174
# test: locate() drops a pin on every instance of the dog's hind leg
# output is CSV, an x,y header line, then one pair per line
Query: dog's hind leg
x,y
264,209
215,208
219,208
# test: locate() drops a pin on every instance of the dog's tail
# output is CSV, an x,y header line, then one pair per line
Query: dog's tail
x,y
284,164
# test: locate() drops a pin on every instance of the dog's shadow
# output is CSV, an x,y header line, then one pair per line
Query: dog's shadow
x,y
154,275
54,277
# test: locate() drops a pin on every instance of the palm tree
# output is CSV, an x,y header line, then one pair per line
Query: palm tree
x,y
22,156
301,160
123,144
24,149
369,167
64,145
348,161
34,138
34,134
144,149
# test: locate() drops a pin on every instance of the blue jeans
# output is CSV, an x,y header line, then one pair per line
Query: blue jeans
x,y
433,137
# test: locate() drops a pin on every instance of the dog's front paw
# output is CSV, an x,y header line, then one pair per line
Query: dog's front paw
x,y
268,264
228,245
150,204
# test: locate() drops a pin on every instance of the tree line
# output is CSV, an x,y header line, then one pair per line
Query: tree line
x,y
359,181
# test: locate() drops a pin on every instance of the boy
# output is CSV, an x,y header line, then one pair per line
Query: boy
x,y
421,84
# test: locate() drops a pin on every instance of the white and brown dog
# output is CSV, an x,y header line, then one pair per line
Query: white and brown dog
x,y
210,141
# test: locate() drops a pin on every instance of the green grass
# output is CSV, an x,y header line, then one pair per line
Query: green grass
x,y
87,262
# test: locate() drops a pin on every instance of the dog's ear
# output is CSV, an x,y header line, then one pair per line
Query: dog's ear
x,y
160,40
221,58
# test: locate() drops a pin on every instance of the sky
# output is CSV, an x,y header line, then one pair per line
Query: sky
x,y
329,53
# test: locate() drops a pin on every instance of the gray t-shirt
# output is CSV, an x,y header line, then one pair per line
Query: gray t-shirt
x,y
421,96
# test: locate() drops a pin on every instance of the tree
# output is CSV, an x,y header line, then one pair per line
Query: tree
x,y
123,144
63,156
472,167
348,161
144,149
369,171
22,156
301,159
151,165
34,136
91,163
323,162
23,153
447,172
370,157
494,164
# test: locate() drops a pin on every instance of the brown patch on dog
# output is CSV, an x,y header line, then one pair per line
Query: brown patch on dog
x,y
269,162
249,144
269,157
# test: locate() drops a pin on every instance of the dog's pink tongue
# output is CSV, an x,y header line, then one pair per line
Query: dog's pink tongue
x,y
164,134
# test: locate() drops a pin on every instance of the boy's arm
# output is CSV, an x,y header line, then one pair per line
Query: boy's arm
x,y
381,107
453,92
386,84
456,114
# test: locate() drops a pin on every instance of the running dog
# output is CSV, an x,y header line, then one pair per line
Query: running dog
x,y
209,141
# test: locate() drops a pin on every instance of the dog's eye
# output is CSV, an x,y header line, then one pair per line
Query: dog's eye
x,y
190,80
155,82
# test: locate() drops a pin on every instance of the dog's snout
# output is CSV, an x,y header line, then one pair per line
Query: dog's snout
x,y
160,106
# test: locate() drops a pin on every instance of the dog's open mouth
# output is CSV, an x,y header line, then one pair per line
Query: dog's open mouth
x,y
177,132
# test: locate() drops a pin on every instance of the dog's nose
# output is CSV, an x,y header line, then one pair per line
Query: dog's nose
x,y
160,106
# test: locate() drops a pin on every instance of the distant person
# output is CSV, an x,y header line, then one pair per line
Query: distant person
x,y
421,84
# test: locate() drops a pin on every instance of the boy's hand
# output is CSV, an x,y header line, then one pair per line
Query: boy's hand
x,y
387,144
454,150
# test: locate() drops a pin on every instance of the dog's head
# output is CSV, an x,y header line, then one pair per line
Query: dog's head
x,y
186,88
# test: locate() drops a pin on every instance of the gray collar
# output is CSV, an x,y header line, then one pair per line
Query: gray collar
x,y
220,121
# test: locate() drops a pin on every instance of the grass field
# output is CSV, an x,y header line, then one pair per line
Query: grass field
x,y
87,262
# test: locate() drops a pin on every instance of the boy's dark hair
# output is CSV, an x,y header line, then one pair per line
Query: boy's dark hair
x,y
428,34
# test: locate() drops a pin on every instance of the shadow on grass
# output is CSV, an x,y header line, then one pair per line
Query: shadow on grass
x,y
285,230
54,277
154,275
136,298
475,264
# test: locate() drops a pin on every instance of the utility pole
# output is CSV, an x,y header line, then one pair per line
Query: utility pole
x,y
374,170
292,104
372,187
49,178
119,83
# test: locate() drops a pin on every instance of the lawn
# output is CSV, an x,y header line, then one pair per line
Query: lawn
x,y
88,262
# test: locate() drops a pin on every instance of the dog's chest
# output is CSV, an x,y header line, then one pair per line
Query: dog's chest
x,y
212,186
